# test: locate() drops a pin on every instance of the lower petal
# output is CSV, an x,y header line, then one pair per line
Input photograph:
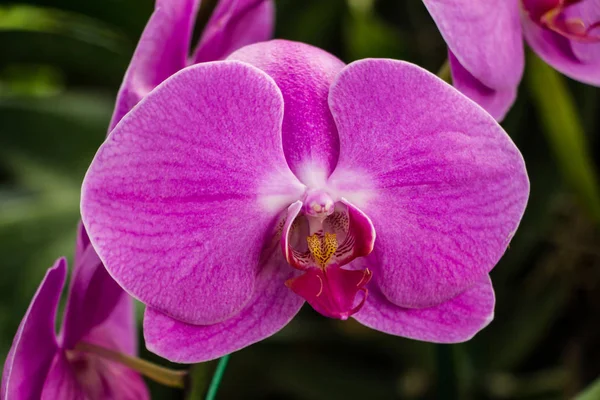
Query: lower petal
x,y
456,320
272,306
496,101
34,346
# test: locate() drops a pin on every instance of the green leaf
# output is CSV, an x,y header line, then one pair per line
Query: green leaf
x,y
367,35
128,16
592,392
564,131
60,132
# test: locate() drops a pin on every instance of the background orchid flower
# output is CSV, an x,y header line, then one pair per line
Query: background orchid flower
x,y
164,46
278,166
42,365
486,46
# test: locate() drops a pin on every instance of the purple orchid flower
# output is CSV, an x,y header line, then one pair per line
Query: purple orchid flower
x,y
164,46
238,189
41,365
99,312
485,40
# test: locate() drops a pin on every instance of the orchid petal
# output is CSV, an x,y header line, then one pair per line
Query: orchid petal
x,y
235,24
180,197
443,184
87,376
579,61
270,309
304,74
34,346
62,383
162,51
497,102
456,320
93,295
485,36
118,331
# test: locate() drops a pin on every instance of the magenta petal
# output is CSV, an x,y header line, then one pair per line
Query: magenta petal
x,y
304,74
497,102
34,345
179,199
579,61
235,24
90,377
162,51
93,294
272,306
443,184
62,383
456,320
485,36
118,331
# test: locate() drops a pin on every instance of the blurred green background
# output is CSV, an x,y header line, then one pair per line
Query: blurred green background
x,y
61,62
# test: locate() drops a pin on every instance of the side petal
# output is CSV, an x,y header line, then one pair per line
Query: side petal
x,y
34,346
93,295
179,200
233,25
304,74
485,36
162,51
497,102
579,61
443,184
456,320
270,309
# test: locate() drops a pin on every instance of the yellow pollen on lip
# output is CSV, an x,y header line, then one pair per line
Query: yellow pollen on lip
x,y
322,249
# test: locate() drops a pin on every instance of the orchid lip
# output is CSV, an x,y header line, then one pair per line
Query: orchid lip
x,y
332,291
571,28
320,236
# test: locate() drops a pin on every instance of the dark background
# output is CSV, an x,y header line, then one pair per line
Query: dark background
x,y
61,62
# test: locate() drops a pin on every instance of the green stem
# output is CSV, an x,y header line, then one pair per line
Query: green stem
x,y
444,72
162,375
216,380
